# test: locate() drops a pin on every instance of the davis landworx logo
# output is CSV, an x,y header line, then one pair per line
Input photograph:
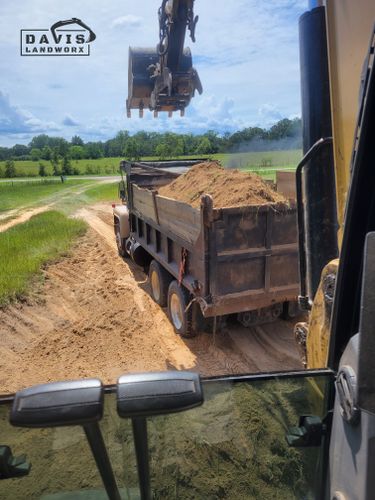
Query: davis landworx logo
x,y
71,37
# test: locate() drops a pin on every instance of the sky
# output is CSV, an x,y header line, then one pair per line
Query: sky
x,y
246,54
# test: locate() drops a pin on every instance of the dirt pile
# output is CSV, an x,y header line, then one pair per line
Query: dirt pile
x,y
228,188
91,317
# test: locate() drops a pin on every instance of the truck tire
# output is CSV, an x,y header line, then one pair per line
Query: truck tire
x,y
120,242
159,282
290,310
178,299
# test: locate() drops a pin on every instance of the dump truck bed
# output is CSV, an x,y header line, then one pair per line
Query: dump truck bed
x,y
231,259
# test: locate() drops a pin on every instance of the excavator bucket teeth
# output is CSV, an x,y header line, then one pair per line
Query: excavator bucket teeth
x,y
140,84
167,91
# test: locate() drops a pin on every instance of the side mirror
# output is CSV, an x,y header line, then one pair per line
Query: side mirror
x,y
144,395
122,191
157,393
76,402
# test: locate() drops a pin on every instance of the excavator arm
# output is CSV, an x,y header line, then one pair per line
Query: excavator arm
x,y
164,79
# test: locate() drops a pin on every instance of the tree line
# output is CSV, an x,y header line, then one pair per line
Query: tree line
x,y
165,145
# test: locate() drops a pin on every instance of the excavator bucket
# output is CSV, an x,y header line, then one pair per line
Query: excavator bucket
x,y
164,79
140,85
170,91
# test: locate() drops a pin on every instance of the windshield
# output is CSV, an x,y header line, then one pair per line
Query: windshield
x,y
99,279
234,446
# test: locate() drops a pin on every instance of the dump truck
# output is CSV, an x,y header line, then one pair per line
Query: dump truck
x,y
208,262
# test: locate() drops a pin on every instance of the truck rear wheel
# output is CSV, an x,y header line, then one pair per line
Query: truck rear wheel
x,y
178,300
159,283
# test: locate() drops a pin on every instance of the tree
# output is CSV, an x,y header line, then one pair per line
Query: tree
x,y
120,142
76,152
145,146
39,141
19,150
60,143
204,147
46,153
42,170
162,151
191,143
94,150
55,162
76,141
66,166
4,153
214,139
115,147
175,144
281,129
287,132
10,169
131,150
224,142
35,154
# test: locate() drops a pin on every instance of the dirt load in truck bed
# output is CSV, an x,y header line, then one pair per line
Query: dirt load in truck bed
x,y
228,188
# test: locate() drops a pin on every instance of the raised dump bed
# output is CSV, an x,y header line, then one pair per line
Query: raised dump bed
x,y
226,260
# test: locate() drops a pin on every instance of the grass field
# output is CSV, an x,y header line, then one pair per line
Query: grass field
x,y
101,166
25,248
262,160
21,194
102,192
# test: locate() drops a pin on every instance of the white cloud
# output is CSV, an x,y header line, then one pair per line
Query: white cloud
x,y
14,120
128,21
269,114
69,121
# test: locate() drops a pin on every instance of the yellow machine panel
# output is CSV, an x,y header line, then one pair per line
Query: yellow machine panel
x,y
349,25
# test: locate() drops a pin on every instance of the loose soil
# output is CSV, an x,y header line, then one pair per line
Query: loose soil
x,y
227,187
92,315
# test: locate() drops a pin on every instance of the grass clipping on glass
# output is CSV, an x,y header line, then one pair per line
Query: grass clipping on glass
x,y
227,187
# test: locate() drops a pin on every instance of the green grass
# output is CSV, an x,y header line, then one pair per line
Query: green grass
x,y
101,166
21,193
103,192
262,159
25,248
110,166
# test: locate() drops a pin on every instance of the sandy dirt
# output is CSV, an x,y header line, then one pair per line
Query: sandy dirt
x,y
228,188
93,316
23,217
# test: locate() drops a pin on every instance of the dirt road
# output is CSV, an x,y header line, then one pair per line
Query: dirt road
x,y
22,214
93,316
